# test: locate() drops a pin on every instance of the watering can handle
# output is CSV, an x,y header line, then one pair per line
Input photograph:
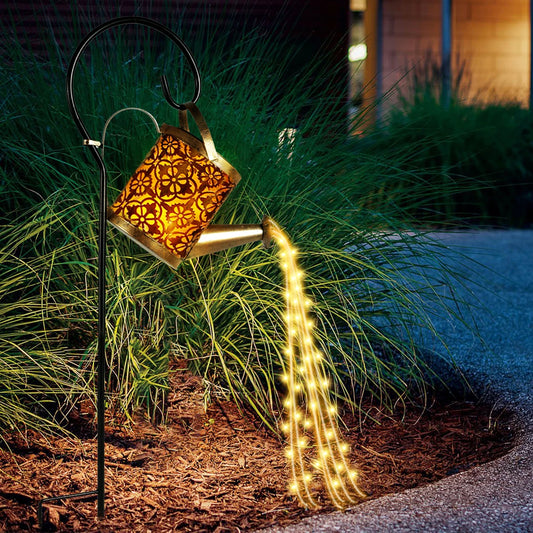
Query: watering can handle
x,y
202,126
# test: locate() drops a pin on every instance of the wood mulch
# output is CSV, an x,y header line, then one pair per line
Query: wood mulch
x,y
221,471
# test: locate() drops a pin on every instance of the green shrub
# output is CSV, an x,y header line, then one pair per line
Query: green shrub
x,y
479,156
222,313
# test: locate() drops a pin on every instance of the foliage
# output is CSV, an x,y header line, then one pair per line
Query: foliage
x,y
478,155
39,371
223,313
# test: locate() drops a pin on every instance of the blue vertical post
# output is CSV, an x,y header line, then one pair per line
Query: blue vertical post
x,y
446,52
379,58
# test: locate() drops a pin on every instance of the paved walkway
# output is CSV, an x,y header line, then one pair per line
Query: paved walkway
x,y
497,496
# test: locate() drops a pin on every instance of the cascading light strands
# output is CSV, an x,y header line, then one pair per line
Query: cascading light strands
x,y
315,447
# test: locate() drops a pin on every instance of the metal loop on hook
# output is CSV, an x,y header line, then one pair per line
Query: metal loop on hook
x,y
164,82
168,97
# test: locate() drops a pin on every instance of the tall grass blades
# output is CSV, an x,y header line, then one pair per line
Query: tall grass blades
x,y
40,374
477,154
222,313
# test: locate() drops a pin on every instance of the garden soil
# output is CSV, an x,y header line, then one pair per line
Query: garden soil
x,y
219,470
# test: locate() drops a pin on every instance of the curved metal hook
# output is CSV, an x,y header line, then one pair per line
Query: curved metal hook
x,y
164,82
101,361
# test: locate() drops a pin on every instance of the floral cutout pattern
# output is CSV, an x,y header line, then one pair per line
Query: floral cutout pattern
x,y
173,195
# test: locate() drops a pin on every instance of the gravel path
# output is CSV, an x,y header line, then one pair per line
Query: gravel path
x,y
498,496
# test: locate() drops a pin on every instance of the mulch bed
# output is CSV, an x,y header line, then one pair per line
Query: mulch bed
x,y
222,471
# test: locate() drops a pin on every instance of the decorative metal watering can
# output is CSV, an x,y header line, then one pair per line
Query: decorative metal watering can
x,y
168,203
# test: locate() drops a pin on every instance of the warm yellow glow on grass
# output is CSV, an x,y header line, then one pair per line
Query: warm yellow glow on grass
x,y
307,385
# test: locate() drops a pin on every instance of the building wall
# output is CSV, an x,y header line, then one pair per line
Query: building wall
x,y
315,23
490,44
313,26
411,30
493,38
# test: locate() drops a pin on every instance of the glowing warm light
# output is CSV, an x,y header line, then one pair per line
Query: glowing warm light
x,y
317,432
357,52
173,196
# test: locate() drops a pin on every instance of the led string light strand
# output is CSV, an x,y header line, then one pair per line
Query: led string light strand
x,y
311,416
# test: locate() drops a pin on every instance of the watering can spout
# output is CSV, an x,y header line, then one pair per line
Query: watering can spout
x,y
169,201
218,237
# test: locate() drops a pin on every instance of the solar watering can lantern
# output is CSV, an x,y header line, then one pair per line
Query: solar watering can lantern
x,y
167,207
